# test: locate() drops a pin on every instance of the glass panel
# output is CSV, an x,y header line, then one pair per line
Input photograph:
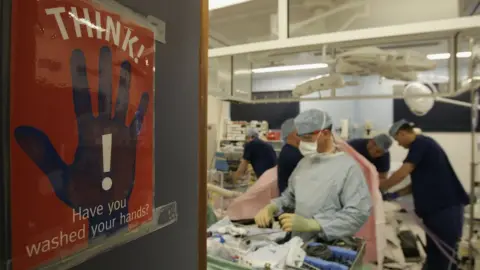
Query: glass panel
x,y
220,76
242,77
282,70
469,7
312,17
246,22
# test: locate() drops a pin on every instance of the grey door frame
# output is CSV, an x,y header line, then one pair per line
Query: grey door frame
x,y
5,241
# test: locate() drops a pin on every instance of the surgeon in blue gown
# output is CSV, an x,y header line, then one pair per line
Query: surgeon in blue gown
x,y
375,150
289,155
439,197
327,189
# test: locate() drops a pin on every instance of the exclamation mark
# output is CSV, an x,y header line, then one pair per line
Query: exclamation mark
x,y
107,158
139,54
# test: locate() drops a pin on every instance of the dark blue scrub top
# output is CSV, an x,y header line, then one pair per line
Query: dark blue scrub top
x,y
382,163
287,162
435,186
261,155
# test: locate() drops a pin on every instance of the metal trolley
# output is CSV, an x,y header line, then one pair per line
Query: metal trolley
x,y
214,263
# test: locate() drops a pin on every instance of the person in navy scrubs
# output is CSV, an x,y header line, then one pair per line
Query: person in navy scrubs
x,y
439,197
375,150
258,153
289,155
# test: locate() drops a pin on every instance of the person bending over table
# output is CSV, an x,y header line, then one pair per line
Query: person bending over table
x,y
258,153
439,197
375,150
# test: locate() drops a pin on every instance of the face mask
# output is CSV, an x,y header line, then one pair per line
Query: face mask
x,y
308,148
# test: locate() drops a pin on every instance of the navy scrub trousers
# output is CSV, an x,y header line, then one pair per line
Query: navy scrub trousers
x,y
446,225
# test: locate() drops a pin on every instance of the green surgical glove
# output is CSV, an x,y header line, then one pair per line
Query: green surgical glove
x,y
265,216
296,223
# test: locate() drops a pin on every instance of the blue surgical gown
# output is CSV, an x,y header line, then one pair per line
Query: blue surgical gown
x,y
261,155
331,189
287,162
435,185
382,163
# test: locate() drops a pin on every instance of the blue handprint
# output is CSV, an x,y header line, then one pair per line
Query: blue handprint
x,y
81,185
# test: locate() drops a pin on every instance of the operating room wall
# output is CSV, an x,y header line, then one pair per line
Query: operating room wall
x,y
218,112
378,111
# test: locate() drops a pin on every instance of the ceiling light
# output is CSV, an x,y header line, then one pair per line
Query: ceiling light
x,y
442,56
464,54
216,4
289,68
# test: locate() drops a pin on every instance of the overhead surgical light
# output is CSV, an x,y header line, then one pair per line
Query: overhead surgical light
x,y
217,4
423,104
419,106
443,56
289,68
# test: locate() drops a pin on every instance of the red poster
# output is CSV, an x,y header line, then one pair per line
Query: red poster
x,y
81,127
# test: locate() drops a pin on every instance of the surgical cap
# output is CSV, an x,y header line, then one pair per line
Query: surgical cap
x,y
312,120
383,141
287,127
397,125
251,132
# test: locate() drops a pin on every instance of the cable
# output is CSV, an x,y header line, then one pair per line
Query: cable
x,y
450,254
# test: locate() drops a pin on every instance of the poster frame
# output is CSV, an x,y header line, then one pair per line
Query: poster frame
x,y
162,216
5,226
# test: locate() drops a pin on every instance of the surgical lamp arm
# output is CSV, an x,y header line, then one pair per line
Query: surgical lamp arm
x,y
222,191
397,176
